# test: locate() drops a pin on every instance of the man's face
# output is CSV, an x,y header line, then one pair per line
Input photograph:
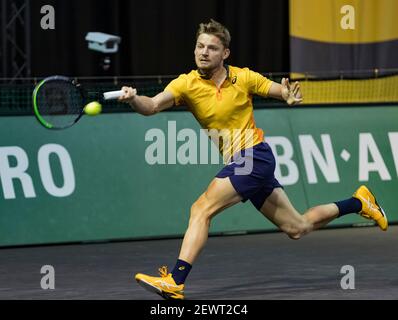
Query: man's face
x,y
209,52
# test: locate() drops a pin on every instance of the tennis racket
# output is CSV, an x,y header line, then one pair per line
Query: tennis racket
x,y
58,102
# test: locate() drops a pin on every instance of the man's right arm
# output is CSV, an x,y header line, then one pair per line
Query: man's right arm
x,y
145,105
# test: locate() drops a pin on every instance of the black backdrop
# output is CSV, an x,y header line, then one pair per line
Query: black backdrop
x,y
158,36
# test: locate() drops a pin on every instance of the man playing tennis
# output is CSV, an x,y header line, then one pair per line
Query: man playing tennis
x,y
220,97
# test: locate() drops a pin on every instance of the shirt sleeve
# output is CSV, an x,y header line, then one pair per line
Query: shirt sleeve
x,y
258,84
177,87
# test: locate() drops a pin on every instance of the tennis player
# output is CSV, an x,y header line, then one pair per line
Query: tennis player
x,y
220,97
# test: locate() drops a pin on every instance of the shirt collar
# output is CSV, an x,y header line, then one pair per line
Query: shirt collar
x,y
226,66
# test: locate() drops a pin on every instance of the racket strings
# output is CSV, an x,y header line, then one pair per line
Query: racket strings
x,y
59,103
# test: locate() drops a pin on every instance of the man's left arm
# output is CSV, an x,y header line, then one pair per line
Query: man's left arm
x,y
285,91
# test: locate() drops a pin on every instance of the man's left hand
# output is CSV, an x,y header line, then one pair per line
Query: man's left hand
x,y
291,93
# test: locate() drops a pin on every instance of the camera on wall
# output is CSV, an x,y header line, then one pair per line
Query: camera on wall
x,y
104,43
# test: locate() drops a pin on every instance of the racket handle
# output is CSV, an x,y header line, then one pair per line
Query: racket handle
x,y
113,94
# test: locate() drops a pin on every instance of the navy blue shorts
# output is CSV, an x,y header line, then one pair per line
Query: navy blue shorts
x,y
251,173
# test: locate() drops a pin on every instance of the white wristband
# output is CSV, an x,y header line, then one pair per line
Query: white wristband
x,y
113,94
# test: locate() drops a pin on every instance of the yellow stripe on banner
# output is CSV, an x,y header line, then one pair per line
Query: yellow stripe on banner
x,y
323,20
350,91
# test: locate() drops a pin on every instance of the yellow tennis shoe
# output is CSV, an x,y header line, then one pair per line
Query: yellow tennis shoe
x,y
164,285
370,207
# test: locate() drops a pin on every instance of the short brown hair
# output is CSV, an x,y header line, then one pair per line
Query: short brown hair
x,y
217,29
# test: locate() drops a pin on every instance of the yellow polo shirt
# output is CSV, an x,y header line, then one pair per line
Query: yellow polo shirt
x,y
228,109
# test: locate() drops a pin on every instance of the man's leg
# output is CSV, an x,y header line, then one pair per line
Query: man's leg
x,y
280,211
219,195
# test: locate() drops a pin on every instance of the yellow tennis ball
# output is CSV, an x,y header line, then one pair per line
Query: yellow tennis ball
x,y
93,108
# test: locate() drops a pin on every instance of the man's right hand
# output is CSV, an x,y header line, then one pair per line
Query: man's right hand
x,y
129,95
145,105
